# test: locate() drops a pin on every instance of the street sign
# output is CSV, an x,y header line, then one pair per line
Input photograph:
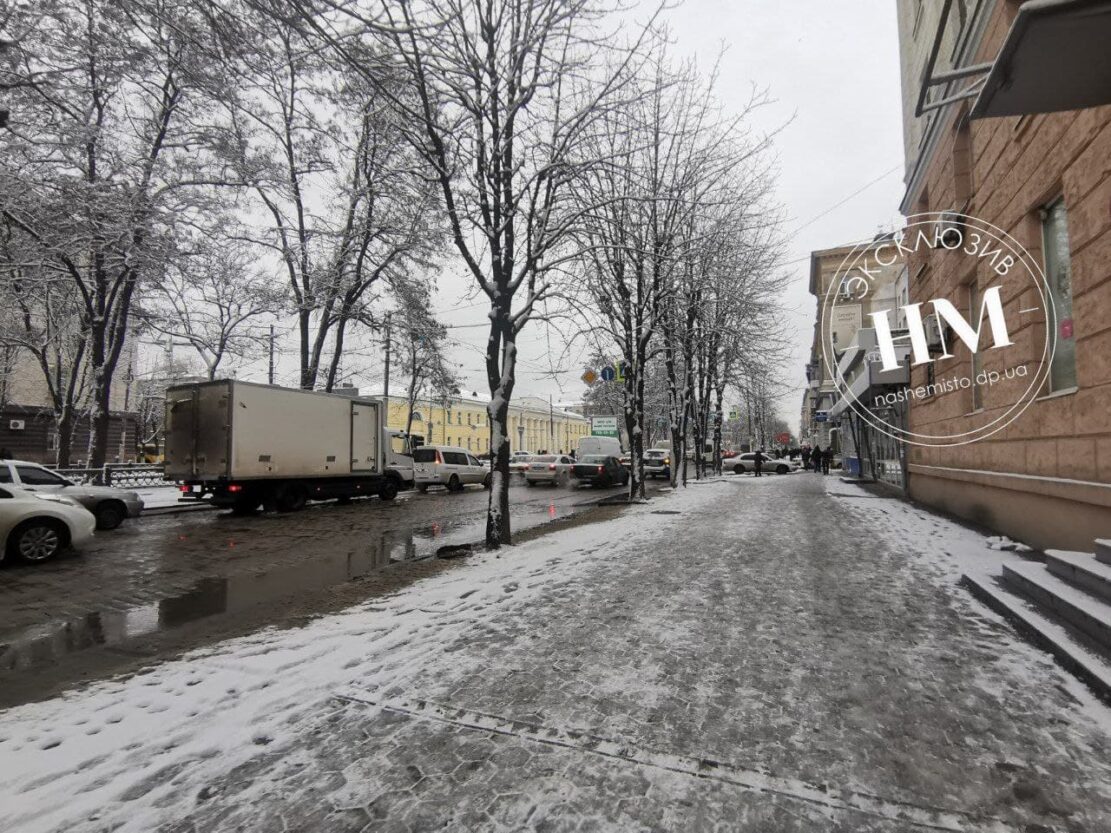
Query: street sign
x,y
783,438
590,377
622,369
821,416
608,374
603,426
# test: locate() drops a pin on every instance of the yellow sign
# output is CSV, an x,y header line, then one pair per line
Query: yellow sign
x,y
590,377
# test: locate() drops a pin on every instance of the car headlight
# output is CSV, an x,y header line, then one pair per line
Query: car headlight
x,y
57,499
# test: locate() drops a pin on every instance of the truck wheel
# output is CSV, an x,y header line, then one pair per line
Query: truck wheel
x,y
292,499
389,490
245,506
454,484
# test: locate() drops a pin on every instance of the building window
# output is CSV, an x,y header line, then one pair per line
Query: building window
x,y
1058,274
449,417
977,363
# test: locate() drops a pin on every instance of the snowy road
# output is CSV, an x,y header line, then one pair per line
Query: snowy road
x,y
784,654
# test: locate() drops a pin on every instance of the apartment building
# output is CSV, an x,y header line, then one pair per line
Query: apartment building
x,y
989,134
849,283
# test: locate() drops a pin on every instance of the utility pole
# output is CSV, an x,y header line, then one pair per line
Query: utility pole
x,y
386,382
551,422
270,373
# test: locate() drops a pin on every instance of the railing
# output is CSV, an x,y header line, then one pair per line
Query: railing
x,y
117,474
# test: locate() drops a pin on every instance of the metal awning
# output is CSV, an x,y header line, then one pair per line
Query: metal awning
x,y
1057,56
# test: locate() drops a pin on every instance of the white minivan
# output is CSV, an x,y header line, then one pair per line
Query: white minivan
x,y
450,466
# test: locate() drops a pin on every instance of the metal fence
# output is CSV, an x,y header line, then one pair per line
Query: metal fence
x,y
122,475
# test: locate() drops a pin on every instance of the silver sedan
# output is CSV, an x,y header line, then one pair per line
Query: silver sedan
x,y
549,468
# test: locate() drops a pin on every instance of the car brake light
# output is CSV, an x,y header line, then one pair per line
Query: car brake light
x,y
551,466
185,488
601,469
235,487
439,457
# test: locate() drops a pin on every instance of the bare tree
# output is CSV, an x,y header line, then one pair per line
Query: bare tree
x,y
109,137
421,344
503,95
324,153
210,297
40,317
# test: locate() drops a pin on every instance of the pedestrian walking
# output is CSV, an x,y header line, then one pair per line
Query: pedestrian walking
x,y
758,461
827,459
806,458
816,459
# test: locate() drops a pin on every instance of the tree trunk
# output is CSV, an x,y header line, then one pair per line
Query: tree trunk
x,y
98,454
501,359
64,426
497,516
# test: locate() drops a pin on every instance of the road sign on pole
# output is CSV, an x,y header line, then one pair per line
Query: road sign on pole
x,y
590,377
603,426
608,374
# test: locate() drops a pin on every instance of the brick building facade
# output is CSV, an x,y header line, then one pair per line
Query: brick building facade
x,y
1045,179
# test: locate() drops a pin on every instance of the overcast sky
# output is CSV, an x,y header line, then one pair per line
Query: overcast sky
x,y
833,70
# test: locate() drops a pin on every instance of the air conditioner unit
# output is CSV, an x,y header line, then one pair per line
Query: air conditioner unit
x,y
949,230
16,424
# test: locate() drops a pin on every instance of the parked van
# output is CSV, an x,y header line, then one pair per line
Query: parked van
x,y
449,466
602,446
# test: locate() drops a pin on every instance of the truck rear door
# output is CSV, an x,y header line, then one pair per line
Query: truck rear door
x,y
180,427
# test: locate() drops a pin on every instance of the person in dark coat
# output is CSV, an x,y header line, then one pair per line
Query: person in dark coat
x,y
806,458
827,459
758,462
816,459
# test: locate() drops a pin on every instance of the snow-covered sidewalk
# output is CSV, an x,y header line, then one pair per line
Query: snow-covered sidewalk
x,y
782,654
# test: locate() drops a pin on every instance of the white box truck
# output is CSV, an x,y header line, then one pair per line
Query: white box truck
x,y
241,444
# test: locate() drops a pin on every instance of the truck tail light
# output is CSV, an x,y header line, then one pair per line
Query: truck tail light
x,y
235,487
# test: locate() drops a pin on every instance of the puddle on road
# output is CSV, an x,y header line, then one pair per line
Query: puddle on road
x,y
210,596
46,643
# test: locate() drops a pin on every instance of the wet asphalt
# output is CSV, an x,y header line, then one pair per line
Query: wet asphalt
x,y
211,570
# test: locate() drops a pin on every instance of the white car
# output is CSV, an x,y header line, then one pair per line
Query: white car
x,y
445,465
657,462
549,468
36,527
747,462
519,462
